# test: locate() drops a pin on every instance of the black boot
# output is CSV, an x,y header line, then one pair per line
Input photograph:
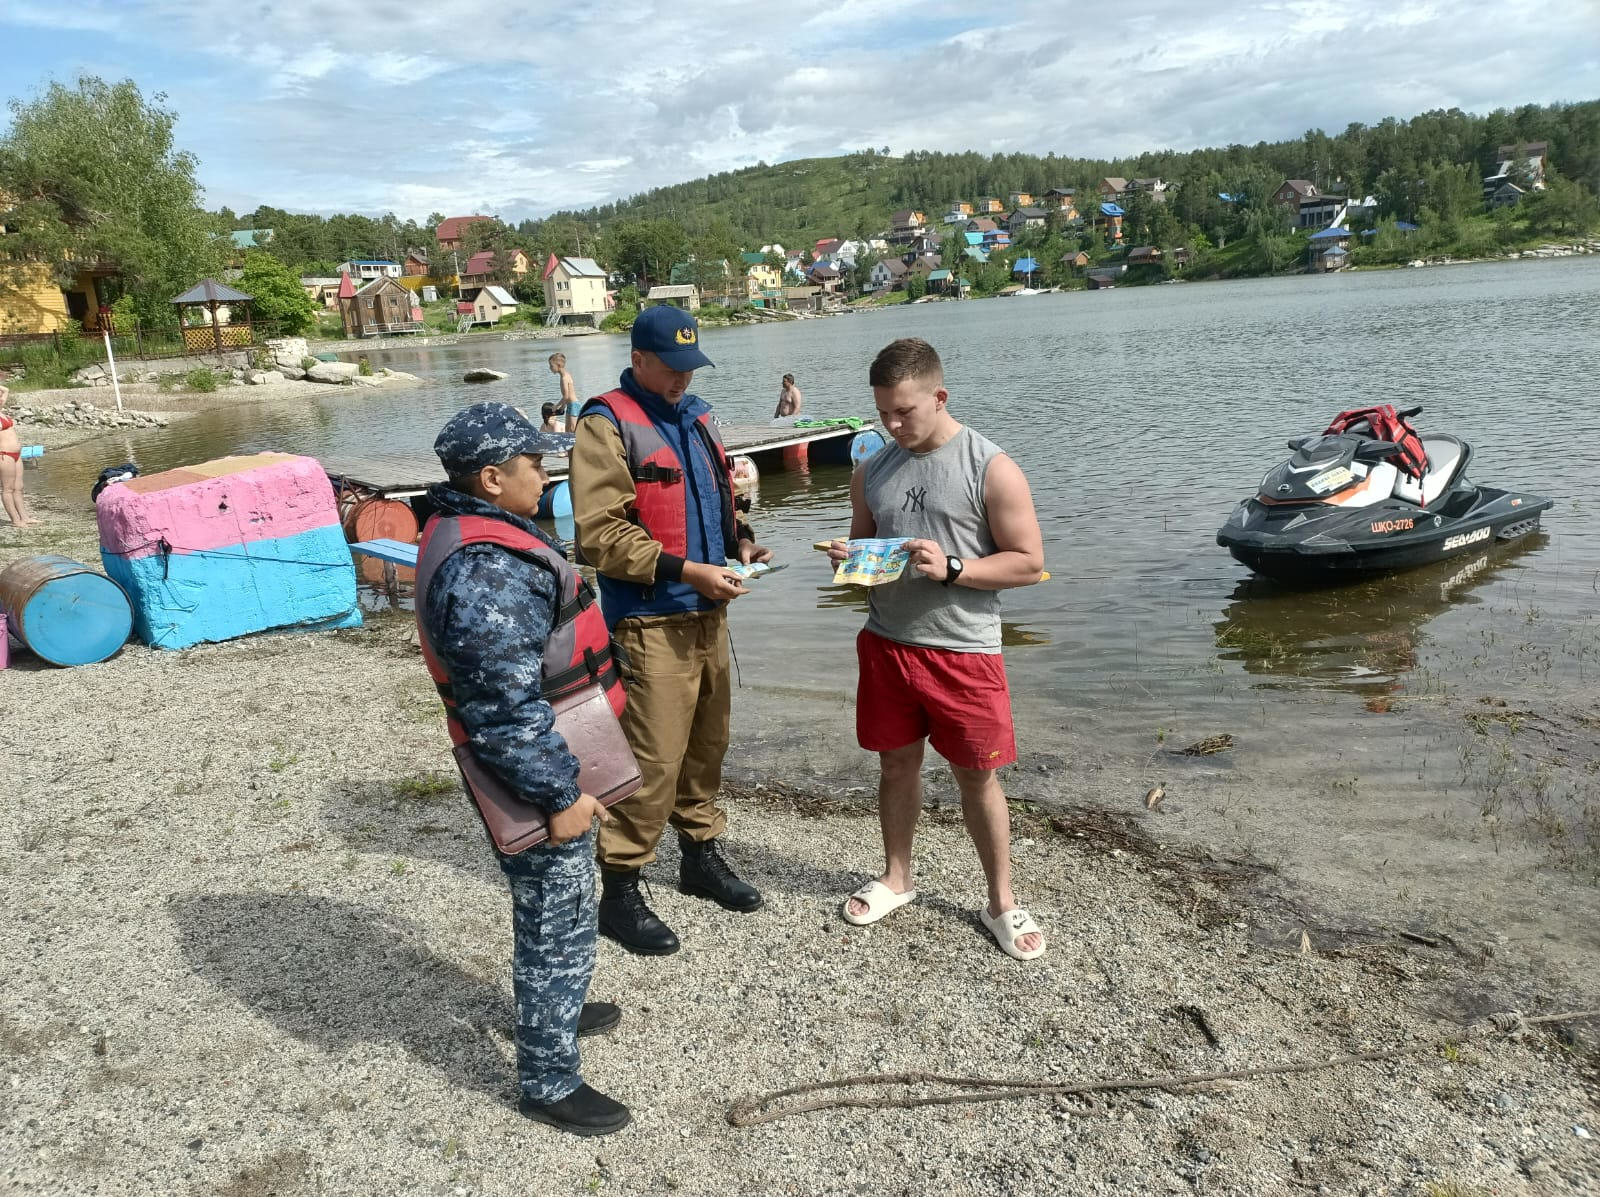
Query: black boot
x,y
596,1018
582,1112
706,874
625,918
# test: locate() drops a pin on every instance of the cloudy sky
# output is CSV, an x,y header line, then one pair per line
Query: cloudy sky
x,y
518,109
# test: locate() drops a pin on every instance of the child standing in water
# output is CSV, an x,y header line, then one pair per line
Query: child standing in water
x,y
568,406
11,467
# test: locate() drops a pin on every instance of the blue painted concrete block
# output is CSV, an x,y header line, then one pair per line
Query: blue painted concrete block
x,y
307,580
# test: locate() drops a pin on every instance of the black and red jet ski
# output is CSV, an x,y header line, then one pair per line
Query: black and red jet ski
x,y
1371,495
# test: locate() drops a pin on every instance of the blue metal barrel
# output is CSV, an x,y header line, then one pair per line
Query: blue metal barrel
x,y
556,501
864,444
64,611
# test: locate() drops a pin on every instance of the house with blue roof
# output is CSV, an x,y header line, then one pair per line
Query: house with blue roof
x,y
1113,214
1330,249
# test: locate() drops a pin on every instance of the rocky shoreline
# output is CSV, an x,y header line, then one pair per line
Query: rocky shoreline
x,y
265,949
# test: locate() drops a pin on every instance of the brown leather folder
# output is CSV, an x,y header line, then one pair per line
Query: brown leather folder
x,y
607,769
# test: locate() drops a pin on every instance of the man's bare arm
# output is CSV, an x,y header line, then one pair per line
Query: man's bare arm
x,y
1018,559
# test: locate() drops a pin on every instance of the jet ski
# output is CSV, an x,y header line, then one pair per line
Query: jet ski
x,y
1370,495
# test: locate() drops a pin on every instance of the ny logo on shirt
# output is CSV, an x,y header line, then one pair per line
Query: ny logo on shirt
x,y
915,497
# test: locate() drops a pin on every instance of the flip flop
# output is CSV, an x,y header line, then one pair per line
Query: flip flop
x,y
1009,926
880,900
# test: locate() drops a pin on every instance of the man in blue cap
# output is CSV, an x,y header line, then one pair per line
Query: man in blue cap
x,y
653,501
496,603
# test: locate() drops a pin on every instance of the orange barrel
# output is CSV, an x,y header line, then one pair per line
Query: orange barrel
x,y
64,611
371,571
797,457
380,519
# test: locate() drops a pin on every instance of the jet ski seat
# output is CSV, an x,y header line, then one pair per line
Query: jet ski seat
x,y
1444,458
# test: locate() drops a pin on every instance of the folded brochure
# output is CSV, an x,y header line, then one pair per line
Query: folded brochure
x,y
872,562
755,569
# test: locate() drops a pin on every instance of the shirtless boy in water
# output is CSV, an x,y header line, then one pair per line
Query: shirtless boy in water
x,y
11,467
568,406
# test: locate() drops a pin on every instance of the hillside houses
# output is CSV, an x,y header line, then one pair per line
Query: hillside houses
x,y
1521,169
1309,208
1024,219
481,267
369,268
575,291
887,275
906,224
451,229
492,305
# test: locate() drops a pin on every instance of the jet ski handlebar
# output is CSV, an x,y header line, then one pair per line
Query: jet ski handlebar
x,y
1409,412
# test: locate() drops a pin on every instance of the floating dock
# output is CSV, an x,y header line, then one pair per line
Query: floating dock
x,y
407,475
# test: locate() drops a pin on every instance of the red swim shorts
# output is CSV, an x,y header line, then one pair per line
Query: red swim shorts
x,y
960,701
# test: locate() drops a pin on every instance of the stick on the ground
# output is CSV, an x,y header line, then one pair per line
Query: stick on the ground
x,y
754,1111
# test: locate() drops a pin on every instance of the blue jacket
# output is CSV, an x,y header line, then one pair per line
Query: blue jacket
x,y
488,615
620,598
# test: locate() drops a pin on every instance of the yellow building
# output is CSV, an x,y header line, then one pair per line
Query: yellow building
x,y
31,301
761,278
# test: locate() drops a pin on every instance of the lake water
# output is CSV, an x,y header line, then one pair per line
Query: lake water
x,y
1139,415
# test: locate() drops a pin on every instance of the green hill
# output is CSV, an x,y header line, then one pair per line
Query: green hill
x,y
853,195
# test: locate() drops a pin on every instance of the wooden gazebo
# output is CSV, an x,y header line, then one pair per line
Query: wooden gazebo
x,y
216,333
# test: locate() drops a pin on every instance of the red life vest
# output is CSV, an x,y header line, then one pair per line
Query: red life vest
x,y
578,650
661,504
1386,424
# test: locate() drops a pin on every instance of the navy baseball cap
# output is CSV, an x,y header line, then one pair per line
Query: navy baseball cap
x,y
488,434
672,335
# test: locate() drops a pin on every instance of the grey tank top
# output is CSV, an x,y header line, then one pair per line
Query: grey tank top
x,y
934,496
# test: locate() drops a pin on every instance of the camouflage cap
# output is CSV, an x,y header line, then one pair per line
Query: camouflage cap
x,y
488,434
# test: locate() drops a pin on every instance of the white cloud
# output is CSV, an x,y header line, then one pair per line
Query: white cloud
x,y
392,105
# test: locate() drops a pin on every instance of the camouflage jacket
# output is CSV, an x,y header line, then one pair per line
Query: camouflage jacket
x,y
488,615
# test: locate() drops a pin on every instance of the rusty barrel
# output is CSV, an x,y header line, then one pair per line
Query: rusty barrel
x,y
67,613
378,519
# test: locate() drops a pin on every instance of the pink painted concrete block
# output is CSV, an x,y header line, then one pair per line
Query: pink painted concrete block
x,y
230,501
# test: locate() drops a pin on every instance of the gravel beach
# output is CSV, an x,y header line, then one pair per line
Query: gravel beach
x,y
257,945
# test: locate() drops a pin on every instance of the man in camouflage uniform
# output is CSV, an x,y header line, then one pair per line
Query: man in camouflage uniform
x,y
487,615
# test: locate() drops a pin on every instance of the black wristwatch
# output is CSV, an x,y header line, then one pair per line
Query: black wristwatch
x,y
953,567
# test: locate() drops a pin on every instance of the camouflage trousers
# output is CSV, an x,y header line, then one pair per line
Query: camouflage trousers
x,y
553,918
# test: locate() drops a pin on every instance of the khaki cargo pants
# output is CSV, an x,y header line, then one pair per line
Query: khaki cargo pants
x,y
677,722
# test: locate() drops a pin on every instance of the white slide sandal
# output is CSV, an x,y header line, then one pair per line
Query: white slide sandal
x,y
1009,926
879,900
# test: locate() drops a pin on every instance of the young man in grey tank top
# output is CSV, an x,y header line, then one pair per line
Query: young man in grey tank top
x,y
931,670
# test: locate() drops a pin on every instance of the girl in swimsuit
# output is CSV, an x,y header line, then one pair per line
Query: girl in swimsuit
x,y
11,467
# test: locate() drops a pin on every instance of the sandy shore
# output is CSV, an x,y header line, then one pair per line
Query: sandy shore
x,y
258,946
147,396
